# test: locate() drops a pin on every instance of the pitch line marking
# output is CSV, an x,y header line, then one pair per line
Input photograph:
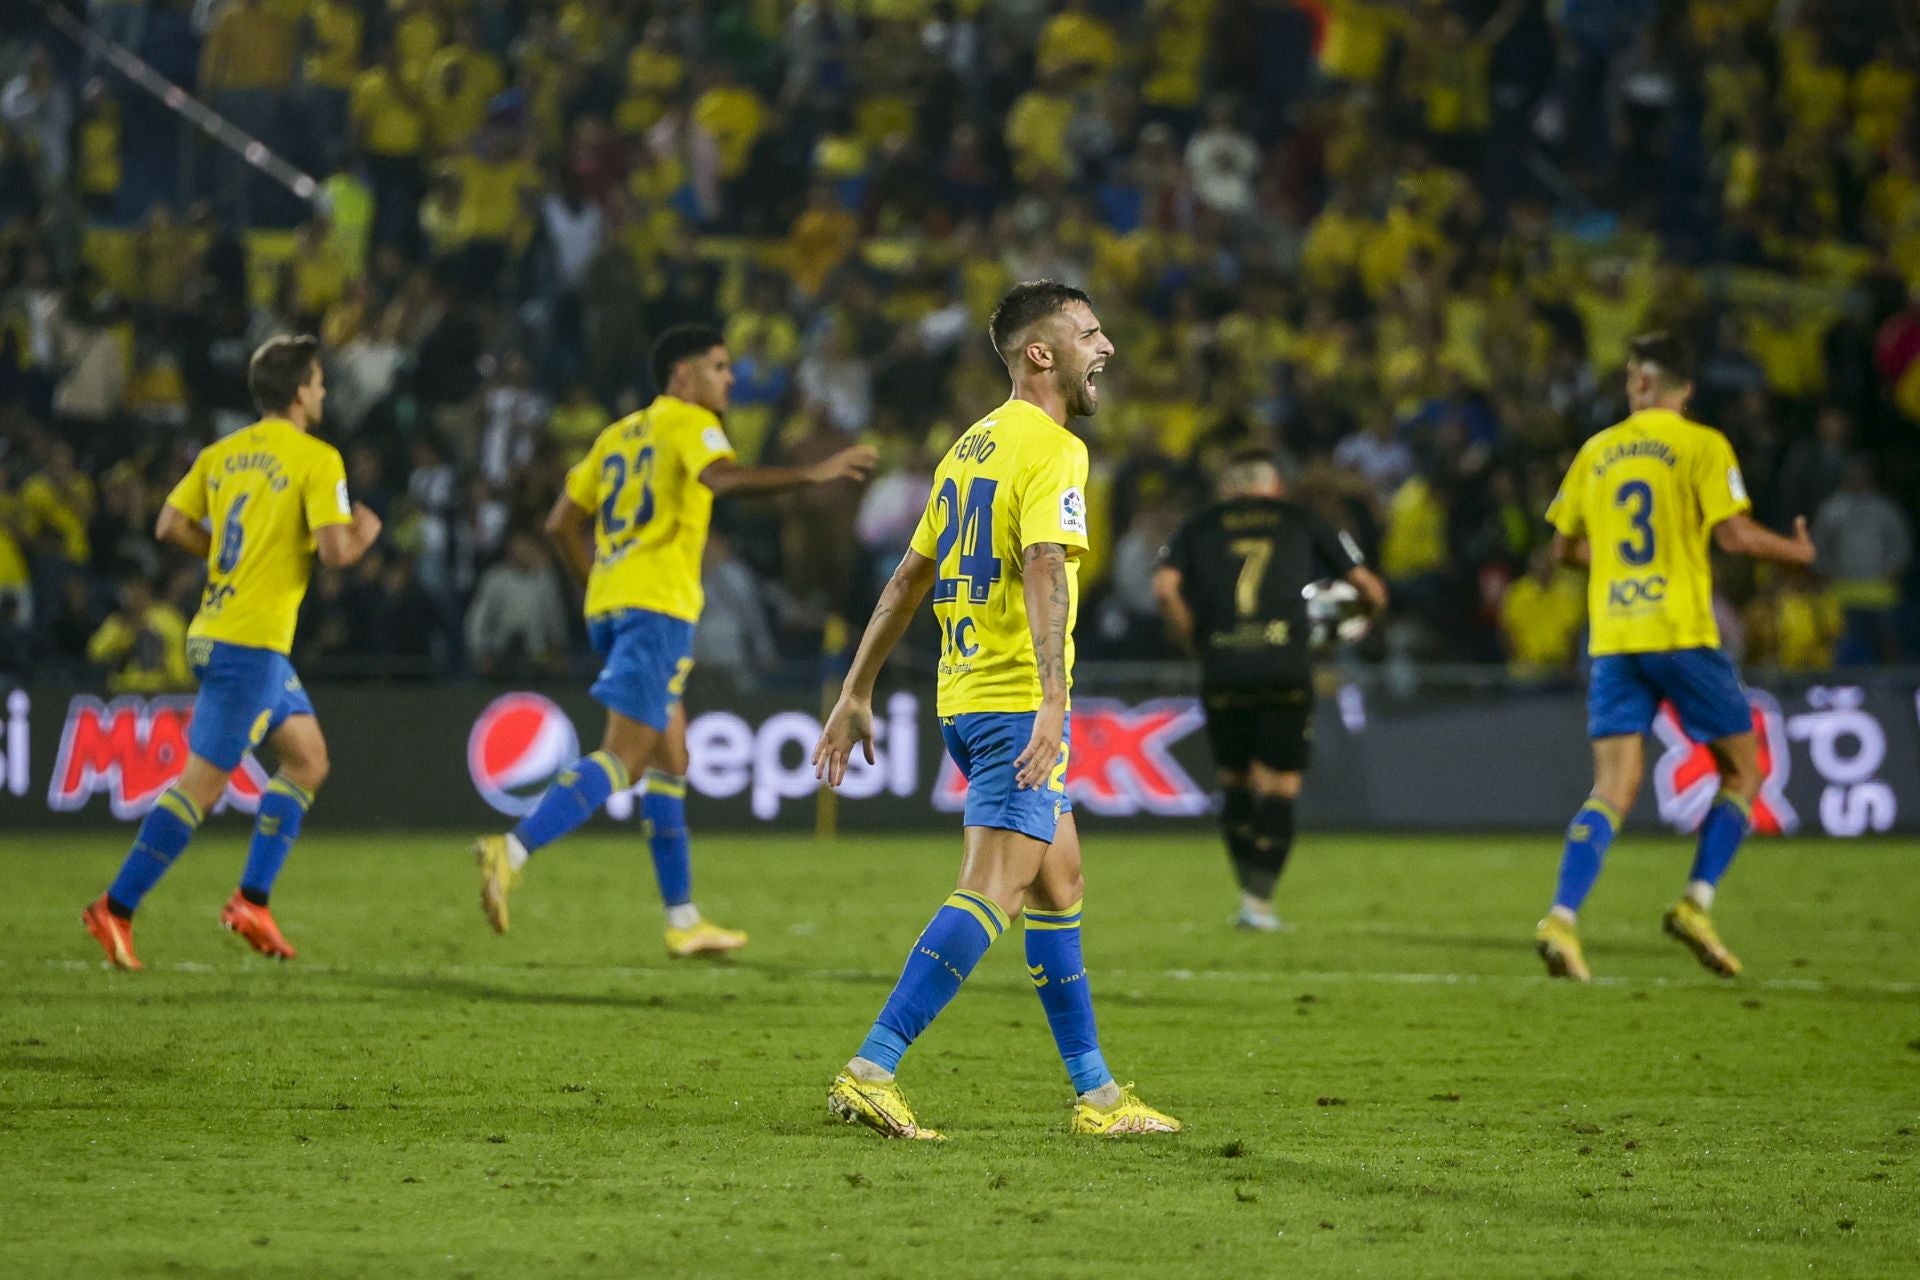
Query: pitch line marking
x,y
1242,976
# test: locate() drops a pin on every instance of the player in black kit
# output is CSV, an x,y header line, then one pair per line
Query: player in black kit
x,y
1231,586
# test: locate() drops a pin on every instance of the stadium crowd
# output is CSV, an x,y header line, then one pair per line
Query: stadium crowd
x,y
1402,243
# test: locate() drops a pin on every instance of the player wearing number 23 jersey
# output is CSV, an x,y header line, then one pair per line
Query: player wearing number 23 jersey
x,y
642,481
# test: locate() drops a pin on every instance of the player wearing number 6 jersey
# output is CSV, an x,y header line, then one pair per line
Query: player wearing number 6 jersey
x,y
998,546
645,492
256,506
1639,506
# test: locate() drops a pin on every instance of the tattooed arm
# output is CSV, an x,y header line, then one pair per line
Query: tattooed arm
x,y
852,718
1049,595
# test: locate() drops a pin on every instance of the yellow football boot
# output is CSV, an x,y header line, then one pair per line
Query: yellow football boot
x,y
703,939
1688,923
1125,1117
497,879
1559,946
879,1105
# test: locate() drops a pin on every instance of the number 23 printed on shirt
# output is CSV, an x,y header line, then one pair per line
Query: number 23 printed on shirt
x,y
969,524
615,479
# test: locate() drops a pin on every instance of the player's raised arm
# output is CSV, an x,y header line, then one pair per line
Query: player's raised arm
x,y
1742,535
725,476
852,718
570,529
1049,598
176,528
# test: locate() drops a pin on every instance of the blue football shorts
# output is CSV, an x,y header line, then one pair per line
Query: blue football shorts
x,y
245,694
647,658
985,744
1626,690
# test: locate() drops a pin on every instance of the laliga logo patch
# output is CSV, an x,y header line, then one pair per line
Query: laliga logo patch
x,y
516,747
1073,511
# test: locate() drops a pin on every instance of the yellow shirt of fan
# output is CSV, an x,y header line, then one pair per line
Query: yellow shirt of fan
x,y
1646,495
641,480
262,492
1012,480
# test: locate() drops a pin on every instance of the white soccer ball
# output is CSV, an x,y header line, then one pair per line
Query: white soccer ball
x,y
1337,612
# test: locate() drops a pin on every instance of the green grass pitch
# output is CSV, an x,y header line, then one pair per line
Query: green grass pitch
x,y
1393,1090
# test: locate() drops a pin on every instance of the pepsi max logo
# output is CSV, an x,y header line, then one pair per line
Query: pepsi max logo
x,y
516,747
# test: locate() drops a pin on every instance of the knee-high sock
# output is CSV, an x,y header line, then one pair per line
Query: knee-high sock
x,y
1272,843
575,796
163,836
665,807
950,946
1060,980
1236,824
1588,836
275,828
1725,827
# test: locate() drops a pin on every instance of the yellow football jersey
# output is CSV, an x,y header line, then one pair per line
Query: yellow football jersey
x,y
1646,495
642,481
263,492
1012,479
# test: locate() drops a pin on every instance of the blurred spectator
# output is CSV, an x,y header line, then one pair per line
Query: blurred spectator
x,y
1865,542
1793,624
517,621
143,646
1541,617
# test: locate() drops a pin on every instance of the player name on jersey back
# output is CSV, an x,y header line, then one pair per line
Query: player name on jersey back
x,y
1244,564
263,492
1646,495
1013,480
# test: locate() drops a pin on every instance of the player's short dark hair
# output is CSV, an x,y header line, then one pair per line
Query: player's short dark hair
x,y
279,368
681,342
1026,303
1665,353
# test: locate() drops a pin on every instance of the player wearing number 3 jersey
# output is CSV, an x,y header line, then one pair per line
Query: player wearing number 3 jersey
x,y
646,492
998,547
1640,506
255,506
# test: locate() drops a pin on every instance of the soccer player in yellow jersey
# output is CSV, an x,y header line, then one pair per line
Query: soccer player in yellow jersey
x,y
1639,507
644,493
998,546
257,506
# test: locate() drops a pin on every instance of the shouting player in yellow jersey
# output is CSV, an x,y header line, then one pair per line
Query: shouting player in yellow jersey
x,y
255,506
999,546
1639,506
645,492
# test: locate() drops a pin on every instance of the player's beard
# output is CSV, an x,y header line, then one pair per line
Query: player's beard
x,y
1082,398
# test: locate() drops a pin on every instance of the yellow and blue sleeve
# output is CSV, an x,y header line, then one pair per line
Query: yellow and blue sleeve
x,y
325,495
189,497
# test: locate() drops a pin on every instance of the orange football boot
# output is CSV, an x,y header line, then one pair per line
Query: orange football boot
x,y
114,935
255,924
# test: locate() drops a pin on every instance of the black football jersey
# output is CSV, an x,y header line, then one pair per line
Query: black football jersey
x,y
1243,564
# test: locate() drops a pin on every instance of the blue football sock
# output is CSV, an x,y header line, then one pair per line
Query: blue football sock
x,y
1060,979
665,808
163,836
1725,827
1588,836
575,796
275,828
950,946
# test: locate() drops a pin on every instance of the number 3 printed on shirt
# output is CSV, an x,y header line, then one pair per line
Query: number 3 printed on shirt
x,y
1637,550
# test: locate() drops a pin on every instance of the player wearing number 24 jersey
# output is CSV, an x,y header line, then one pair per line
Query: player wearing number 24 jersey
x,y
1640,506
255,506
998,547
632,525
